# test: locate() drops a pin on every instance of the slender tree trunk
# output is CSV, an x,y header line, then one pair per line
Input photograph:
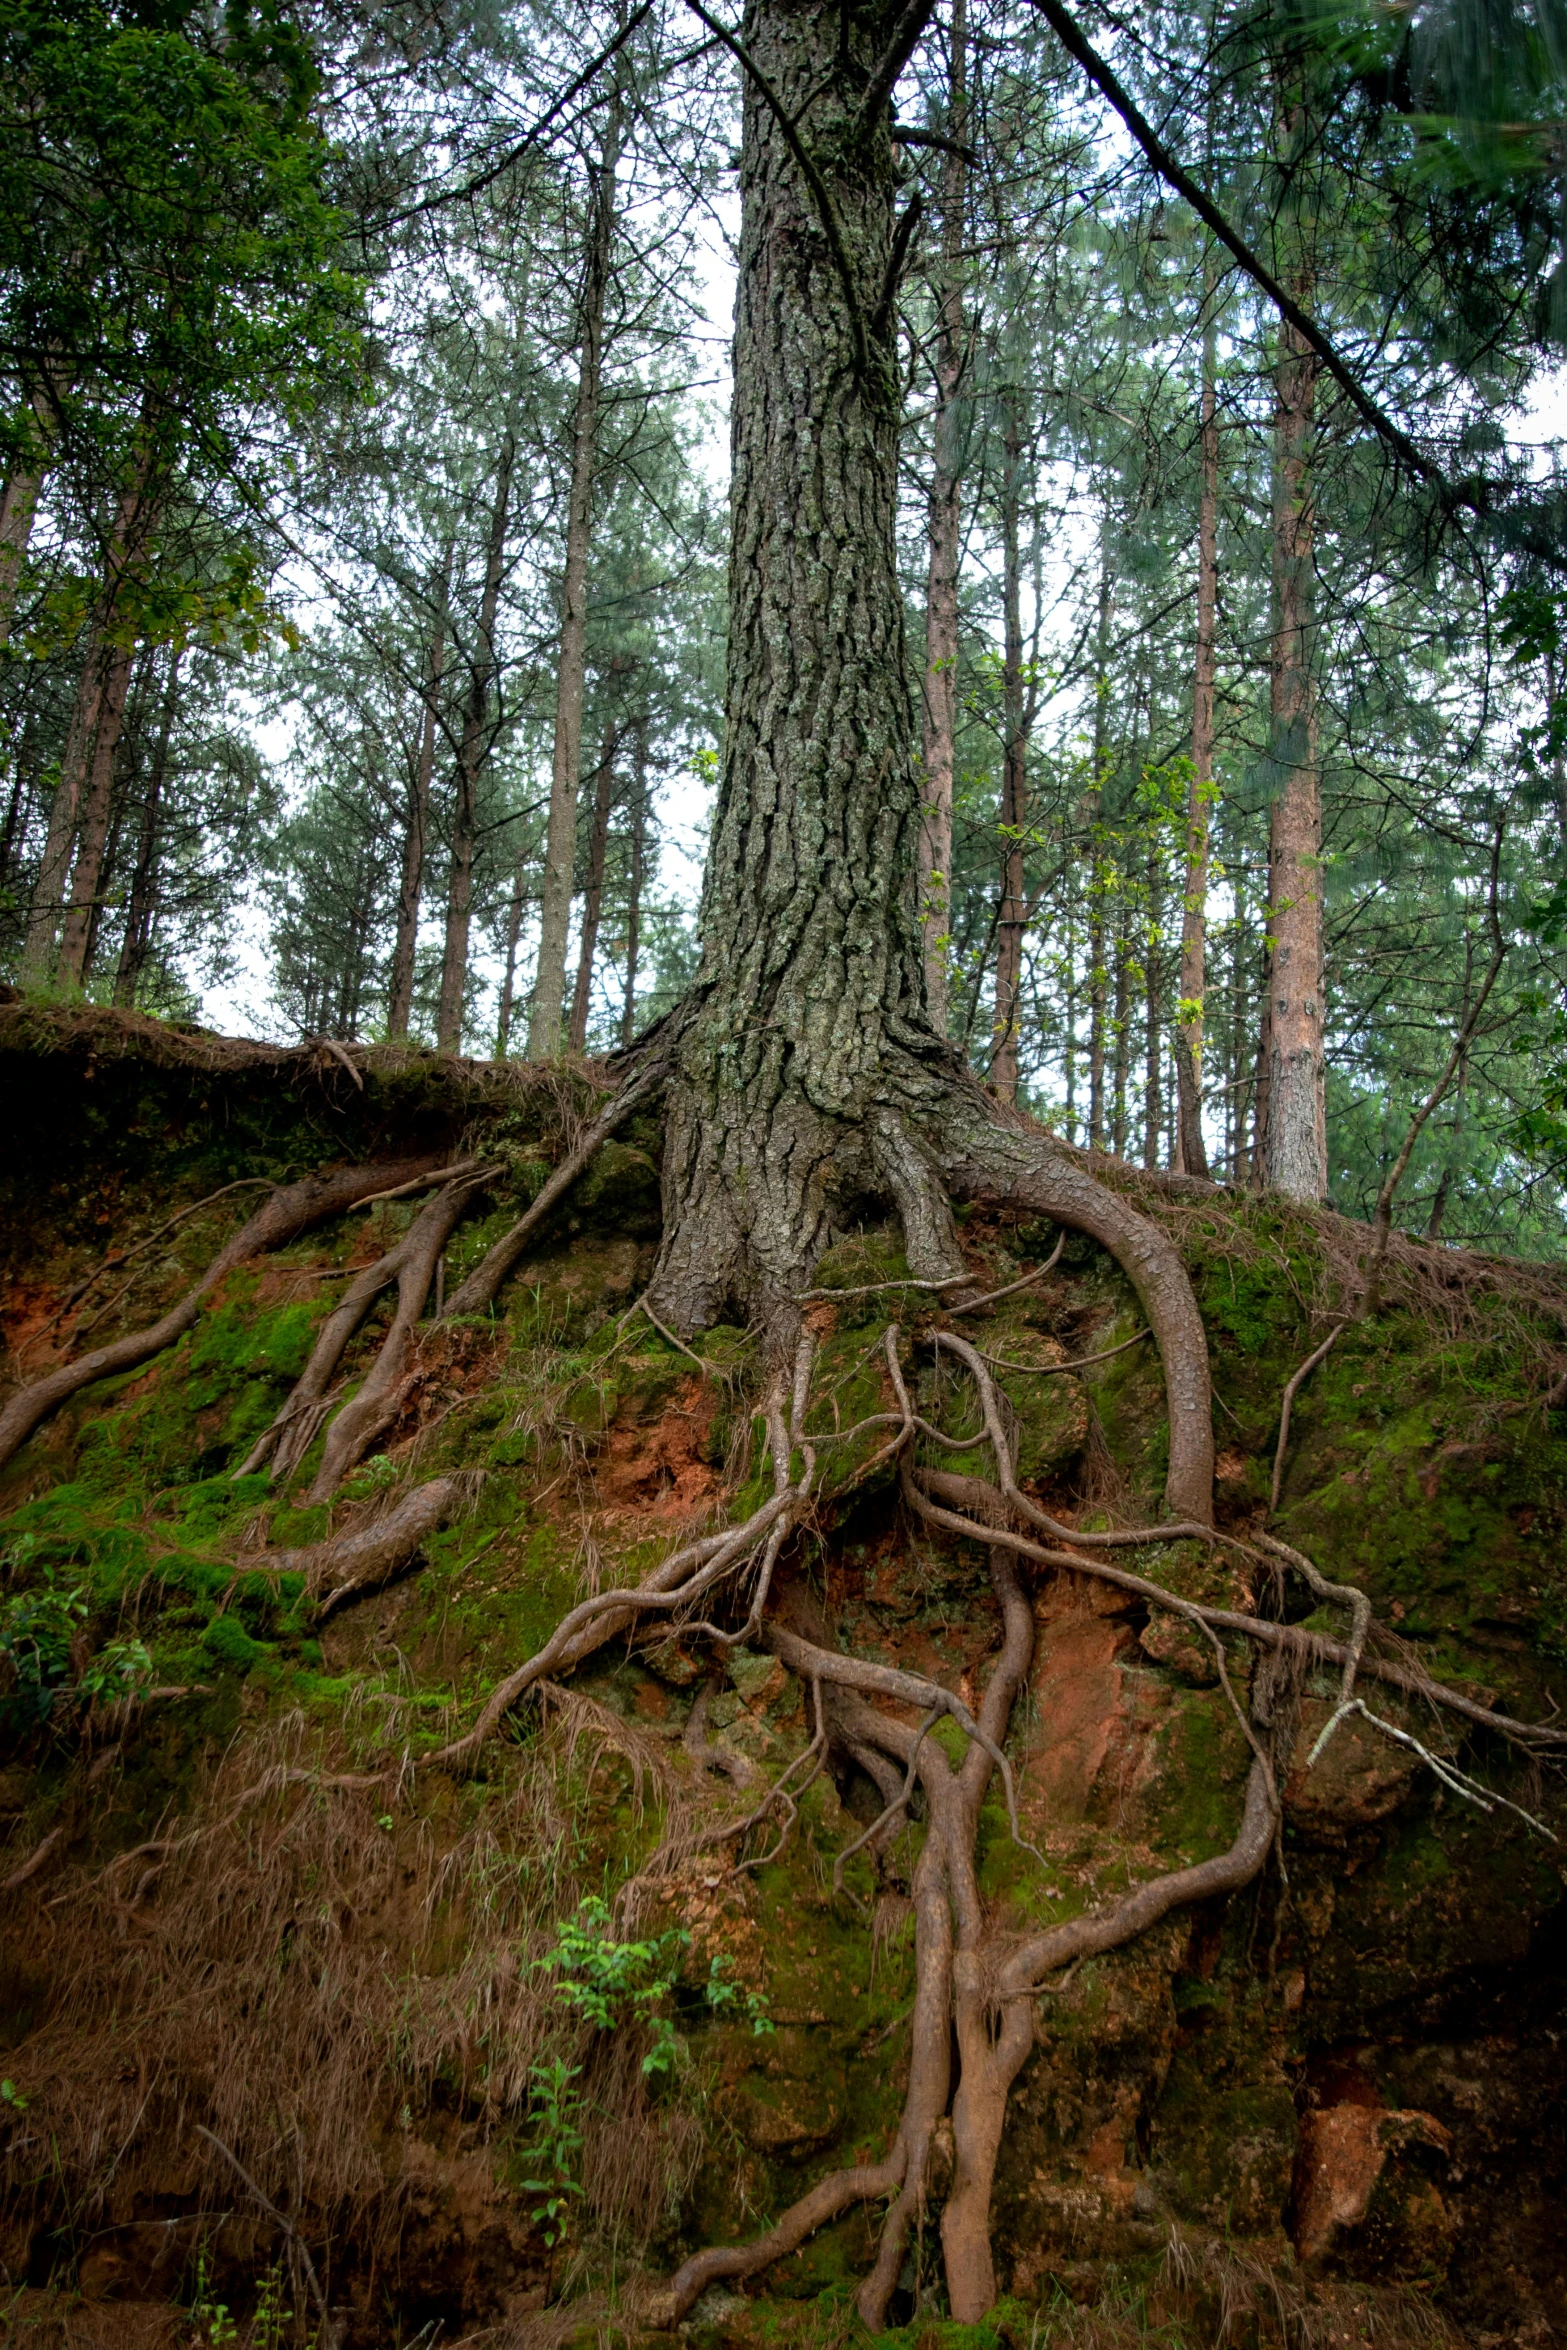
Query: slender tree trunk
x,y
1123,1026
1153,1099
1194,907
471,756
1097,879
1296,1128
1070,1055
628,1018
508,1002
1013,912
944,526
560,843
48,902
140,912
95,811
410,887
593,896
18,505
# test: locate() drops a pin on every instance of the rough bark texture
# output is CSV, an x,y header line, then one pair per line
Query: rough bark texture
x,y
1296,1156
48,900
944,528
560,843
806,1083
18,505
1194,904
470,763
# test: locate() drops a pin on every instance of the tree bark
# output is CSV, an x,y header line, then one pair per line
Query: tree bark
x,y
1096,867
1296,1132
804,1086
1153,1090
471,756
560,842
944,525
628,1018
593,896
142,908
48,901
1194,903
410,886
18,505
1012,914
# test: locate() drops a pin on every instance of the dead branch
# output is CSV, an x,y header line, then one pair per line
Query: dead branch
x,y
1296,1382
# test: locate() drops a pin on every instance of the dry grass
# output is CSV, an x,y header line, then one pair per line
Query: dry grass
x,y
321,1985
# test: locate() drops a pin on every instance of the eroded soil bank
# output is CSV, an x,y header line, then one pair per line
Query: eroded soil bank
x,y
249,2016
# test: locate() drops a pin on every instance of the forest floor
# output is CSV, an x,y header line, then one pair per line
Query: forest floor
x,y
290,2021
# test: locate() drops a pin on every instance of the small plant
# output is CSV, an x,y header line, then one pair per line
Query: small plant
x,y
37,1629
371,1477
612,1983
114,1671
214,2326
12,2096
727,1998
554,2106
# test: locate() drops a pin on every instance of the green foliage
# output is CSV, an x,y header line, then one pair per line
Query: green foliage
x,y
609,1984
554,2150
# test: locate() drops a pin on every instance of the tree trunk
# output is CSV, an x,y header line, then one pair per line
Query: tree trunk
x,y
143,905
471,756
944,527
1013,912
509,975
1194,911
560,841
1096,865
593,897
48,902
1296,1129
803,1084
18,505
628,1018
95,810
1153,1096
410,887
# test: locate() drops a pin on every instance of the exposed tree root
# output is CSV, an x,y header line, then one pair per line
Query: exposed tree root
x,y
350,1566
286,1214
479,1291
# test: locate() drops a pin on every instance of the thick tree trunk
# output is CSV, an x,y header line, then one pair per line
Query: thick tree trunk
x,y
560,843
593,896
805,1084
1012,915
1296,1131
472,753
48,901
638,858
944,527
410,884
1194,905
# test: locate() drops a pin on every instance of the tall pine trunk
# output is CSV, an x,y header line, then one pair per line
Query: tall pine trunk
x,y
141,910
96,808
638,860
1295,1154
593,896
944,528
416,823
1194,902
1098,880
1012,915
471,756
560,842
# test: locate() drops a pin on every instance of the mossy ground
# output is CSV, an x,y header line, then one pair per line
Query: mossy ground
x,y
1169,2084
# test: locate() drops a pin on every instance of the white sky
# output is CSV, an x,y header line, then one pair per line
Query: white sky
x,y
241,1007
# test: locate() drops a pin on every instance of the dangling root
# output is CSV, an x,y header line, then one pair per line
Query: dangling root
x,y
285,1215
294,1430
375,1406
478,1292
